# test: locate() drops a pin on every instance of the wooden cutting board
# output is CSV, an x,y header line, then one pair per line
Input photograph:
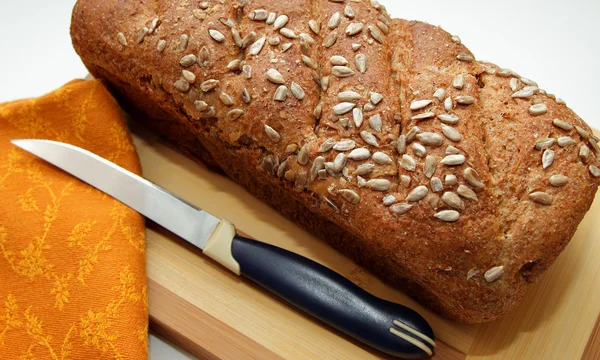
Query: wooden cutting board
x,y
216,315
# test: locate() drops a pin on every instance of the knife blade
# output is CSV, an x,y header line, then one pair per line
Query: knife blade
x,y
319,291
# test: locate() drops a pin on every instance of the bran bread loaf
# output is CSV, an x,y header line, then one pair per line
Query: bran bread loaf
x,y
456,180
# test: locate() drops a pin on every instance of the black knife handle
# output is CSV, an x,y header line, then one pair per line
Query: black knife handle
x,y
330,297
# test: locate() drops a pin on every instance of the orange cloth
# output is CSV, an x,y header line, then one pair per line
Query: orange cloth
x,y
72,260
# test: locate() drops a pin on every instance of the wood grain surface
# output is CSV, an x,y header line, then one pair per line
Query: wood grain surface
x,y
217,315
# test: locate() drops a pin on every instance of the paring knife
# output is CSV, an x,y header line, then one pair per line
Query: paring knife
x,y
319,291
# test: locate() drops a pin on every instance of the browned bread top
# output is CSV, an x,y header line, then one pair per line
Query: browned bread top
x,y
464,179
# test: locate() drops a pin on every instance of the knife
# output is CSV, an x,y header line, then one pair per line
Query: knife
x,y
319,291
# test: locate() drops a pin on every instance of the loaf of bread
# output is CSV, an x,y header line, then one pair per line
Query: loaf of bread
x,y
456,180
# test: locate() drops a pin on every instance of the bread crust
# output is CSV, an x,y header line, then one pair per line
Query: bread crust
x,y
452,267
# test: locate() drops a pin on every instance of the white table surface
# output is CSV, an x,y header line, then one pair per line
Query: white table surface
x,y
552,42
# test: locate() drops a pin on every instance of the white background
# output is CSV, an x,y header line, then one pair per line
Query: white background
x,y
555,43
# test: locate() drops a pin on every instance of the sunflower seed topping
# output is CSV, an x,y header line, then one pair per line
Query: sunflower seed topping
x,y
334,21
459,82
454,160
161,45
447,215
405,179
524,94
275,76
451,133
271,18
451,150
201,105
344,145
417,194
257,46
188,76
368,107
389,200
314,26
235,114
363,169
429,166
182,85
339,162
361,62
248,39
594,144
594,170
419,150
318,111
187,60
401,208
342,71
436,184
142,34
448,119
203,56
375,123
369,138
327,145
562,124
453,200
281,93
541,198
272,134
434,201
450,180
493,274
349,12
544,143
297,91
304,155
258,15
357,115
472,178
538,109
309,62
565,141
584,134
122,40
216,35
246,98
464,100
528,82
280,22
423,116
330,39
547,158
359,154
467,193
410,136
514,84
379,184
584,153
408,163
375,97
350,196
338,60
420,104
558,180
448,104
401,144
376,34
348,96
430,139
356,46
465,57
234,65
274,41
382,158
343,108
354,28
226,99
288,33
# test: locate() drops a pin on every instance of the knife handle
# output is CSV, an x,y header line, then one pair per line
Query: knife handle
x,y
330,297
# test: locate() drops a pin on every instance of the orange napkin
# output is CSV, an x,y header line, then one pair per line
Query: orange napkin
x,y
72,260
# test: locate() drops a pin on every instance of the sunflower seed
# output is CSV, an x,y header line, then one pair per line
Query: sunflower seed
x,y
375,123
467,193
359,154
280,22
142,34
547,158
357,115
257,46
417,194
364,169
405,179
339,162
123,41
327,145
368,107
594,170
275,76
451,150
271,18
334,21
356,46
493,274
514,84
343,108
332,205
528,82
453,200
472,273
401,208
429,166
410,136
584,153
226,99
408,163
455,39
558,180
258,15
304,155
423,116
272,134
361,62
379,184
436,184
309,62
338,60
434,201
506,73
161,45
430,139
538,109
562,124
544,143
342,71
318,110
274,41
369,138
344,145
389,200
351,196
248,39
268,164
541,198
524,94
584,134
450,180
465,57
454,160
200,105
317,166
565,141
203,56
297,91
448,104
301,180
354,28
419,150
288,33
246,96
281,93
216,35
383,27
401,144
330,39
182,85
237,38
188,76
375,97
234,65
447,215
376,34
472,178
464,100
349,11
187,60
348,96
594,144
439,94
420,104
448,118
382,158
459,82
314,26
